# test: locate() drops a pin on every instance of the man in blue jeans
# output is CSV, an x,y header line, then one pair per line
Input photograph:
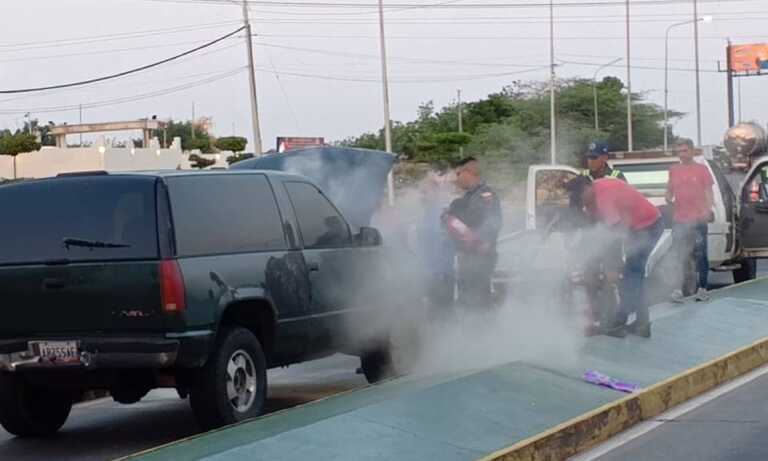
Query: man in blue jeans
x,y
635,221
689,192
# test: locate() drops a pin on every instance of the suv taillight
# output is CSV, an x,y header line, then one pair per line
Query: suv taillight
x,y
172,286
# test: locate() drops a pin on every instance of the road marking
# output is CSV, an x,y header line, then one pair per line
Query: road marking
x,y
676,412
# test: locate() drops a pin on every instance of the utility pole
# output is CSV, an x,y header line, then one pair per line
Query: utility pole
x,y
81,122
257,146
461,121
729,70
630,141
192,125
385,90
696,20
552,114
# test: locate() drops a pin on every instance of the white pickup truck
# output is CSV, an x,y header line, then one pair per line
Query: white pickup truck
x,y
738,235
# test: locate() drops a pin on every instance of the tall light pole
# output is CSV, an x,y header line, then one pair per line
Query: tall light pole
x,y
695,21
630,141
594,89
385,91
461,118
666,75
552,114
257,145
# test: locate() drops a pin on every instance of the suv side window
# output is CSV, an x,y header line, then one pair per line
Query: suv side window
x,y
320,224
219,213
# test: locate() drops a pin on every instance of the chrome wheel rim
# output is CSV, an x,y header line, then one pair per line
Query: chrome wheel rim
x,y
241,381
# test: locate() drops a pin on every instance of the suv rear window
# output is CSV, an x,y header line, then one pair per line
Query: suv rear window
x,y
70,219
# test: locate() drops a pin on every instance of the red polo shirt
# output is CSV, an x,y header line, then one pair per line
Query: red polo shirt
x,y
689,184
618,203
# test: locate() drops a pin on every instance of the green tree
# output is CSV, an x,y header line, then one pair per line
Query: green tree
x,y
512,125
17,143
183,130
200,162
232,143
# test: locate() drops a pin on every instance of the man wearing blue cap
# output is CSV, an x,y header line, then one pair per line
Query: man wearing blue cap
x,y
597,163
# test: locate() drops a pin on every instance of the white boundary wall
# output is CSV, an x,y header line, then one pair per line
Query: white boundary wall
x,y
50,161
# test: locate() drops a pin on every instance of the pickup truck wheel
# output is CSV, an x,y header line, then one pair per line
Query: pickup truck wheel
x,y
29,412
232,386
747,271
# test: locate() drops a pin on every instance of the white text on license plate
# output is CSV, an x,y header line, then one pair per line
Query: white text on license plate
x,y
59,351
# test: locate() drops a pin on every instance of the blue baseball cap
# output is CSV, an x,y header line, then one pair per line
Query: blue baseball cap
x,y
596,149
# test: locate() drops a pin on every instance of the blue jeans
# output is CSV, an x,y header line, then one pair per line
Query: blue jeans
x,y
690,240
637,248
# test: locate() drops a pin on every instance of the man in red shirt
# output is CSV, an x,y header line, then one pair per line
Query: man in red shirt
x,y
637,222
689,191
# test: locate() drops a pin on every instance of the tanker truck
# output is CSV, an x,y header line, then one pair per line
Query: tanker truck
x,y
743,143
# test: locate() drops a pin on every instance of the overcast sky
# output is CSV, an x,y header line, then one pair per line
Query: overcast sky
x,y
318,70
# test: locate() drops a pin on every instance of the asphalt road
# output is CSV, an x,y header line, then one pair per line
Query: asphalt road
x,y
731,427
103,429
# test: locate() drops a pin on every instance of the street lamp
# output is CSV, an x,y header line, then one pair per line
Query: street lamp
x,y
705,19
594,89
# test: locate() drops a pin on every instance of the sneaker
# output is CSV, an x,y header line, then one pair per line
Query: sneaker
x,y
642,330
677,297
702,295
616,332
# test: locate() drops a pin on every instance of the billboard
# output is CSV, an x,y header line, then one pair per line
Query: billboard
x,y
285,144
749,58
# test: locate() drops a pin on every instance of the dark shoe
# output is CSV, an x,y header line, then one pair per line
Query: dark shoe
x,y
643,329
617,331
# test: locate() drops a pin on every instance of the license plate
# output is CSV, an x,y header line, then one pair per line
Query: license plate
x,y
56,351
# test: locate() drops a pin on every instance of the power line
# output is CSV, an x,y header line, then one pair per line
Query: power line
x,y
366,6
123,100
500,37
395,58
124,73
97,52
25,46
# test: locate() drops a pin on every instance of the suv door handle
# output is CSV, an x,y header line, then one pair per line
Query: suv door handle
x,y
54,284
313,266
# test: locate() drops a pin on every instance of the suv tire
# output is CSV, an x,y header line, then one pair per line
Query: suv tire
x,y
377,365
232,385
747,271
26,411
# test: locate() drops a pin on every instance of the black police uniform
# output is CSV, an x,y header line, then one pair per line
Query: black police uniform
x,y
480,210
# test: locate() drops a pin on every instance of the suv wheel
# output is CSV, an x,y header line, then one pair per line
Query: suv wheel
x,y
26,411
232,386
747,271
377,365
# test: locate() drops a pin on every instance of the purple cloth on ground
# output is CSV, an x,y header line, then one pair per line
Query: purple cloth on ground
x,y
600,379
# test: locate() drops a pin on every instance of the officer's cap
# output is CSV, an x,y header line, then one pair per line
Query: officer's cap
x,y
596,149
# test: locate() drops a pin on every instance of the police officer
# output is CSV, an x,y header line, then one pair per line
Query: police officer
x,y
597,163
473,222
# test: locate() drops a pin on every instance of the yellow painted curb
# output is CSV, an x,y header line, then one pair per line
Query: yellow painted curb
x,y
585,431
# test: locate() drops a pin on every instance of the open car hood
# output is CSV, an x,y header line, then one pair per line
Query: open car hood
x,y
354,179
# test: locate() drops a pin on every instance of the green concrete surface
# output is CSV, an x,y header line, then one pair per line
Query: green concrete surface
x,y
465,416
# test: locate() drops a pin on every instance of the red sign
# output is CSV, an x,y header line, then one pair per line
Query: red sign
x,y
285,144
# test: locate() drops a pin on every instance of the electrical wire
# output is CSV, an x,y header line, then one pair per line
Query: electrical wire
x,y
46,44
124,73
126,99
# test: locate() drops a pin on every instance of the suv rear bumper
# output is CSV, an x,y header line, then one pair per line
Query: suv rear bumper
x,y
156,351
